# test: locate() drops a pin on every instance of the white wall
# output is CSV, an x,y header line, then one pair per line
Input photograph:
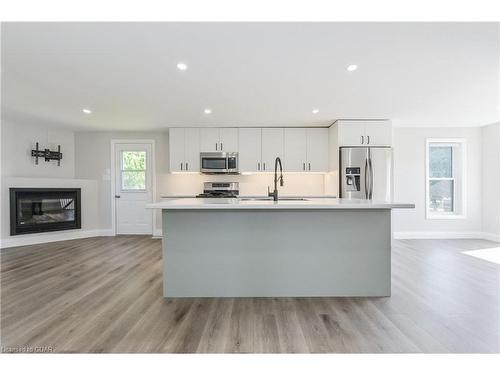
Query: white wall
x,y
18,169
18,139
409,181
491,181
93,161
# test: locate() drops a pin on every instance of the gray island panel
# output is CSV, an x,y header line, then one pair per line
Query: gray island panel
x,y
276,253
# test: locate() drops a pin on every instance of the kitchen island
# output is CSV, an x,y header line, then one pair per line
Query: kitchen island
x,y
291,248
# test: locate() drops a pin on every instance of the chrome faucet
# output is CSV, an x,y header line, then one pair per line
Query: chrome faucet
x,y
274,194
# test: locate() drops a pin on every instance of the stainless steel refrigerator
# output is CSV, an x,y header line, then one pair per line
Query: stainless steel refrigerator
x,y
366,173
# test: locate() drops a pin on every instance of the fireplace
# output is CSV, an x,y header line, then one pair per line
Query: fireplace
x,y
35,210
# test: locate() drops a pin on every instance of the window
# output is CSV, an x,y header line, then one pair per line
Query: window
x,y
133,170
445,185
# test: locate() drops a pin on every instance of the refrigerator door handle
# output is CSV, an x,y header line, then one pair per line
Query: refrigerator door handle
x,y
366,178
371,178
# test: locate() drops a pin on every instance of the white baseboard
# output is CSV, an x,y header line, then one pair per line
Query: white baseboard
x,y
491,236
157,233
32,239
446,235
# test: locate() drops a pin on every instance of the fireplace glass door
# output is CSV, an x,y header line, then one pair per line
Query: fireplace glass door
x,y
42,210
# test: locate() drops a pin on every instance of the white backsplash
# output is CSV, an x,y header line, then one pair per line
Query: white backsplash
x,y
254,184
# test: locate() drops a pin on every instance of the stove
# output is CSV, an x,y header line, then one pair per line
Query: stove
x,y
219,190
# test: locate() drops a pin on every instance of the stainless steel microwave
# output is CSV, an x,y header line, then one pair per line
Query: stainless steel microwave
x,y
219,162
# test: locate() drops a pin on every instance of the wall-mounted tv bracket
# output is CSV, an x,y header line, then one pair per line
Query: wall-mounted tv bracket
x,y
47,154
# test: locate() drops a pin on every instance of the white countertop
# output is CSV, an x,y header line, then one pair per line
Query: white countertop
x,y
309,203
319,196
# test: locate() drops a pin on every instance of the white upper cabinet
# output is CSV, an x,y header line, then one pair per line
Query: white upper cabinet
x,y
300,149
351,133
192,150
250,150
272,147
228,139
209,140
184,149
378,133
218,139
295,153
317,149
364,133
176,149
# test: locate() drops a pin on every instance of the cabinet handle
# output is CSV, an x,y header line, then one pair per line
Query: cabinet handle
x,y
216,145
187,166
264,164
368,139
304,166
258,166
221,146
309,166
181,166
362,140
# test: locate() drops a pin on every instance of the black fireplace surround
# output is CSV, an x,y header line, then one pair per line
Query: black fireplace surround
x,y
35,210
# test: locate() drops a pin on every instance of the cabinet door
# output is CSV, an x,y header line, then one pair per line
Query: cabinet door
x,y
176,149
317,150
378,133
250,150
272,147
209,140
229,139
352,133
191,150
294,150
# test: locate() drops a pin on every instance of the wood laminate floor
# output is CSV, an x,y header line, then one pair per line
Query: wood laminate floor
x,y
104,295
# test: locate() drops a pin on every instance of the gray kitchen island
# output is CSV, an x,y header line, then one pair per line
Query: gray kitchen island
x,y
290,248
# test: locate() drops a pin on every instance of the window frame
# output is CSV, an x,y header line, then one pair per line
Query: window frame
x,y
134,170
429,215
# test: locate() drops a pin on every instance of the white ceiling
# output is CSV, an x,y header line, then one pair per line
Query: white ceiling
x,y
250,74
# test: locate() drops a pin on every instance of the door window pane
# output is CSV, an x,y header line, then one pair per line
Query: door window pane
x,y
133,180
133,173
134,160
441,196
440,161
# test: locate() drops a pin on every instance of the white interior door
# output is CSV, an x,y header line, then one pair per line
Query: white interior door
x,y
133,188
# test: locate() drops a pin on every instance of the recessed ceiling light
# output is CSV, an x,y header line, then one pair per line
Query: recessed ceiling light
x,y
182,66
86,111
314,111
207,111
352,68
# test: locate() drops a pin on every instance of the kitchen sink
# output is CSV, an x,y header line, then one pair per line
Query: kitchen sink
x,y
270,199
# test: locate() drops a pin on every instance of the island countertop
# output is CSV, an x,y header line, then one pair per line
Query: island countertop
x,y
253,204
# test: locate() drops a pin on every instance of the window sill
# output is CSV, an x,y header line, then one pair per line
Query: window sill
x,y
445,217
